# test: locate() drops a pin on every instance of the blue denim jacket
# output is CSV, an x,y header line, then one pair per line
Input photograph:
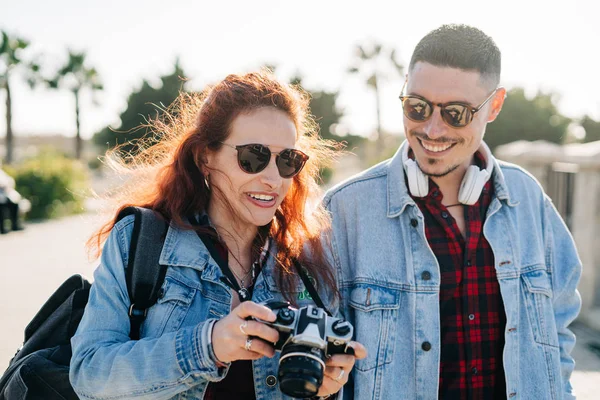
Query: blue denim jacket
x,y
173,359
380,252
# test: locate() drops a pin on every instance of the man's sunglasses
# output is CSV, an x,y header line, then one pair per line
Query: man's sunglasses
x,y
253,158
455,113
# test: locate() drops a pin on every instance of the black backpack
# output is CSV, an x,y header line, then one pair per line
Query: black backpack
x,y
40,369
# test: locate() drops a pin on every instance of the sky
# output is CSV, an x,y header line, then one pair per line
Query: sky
x,y
546,45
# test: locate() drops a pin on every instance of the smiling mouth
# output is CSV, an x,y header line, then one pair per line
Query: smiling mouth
x,y
436,148
261,197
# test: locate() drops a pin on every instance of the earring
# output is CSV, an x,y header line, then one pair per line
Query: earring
x,y
206,182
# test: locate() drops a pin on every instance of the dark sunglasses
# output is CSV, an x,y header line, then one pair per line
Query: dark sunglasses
x,y
455,113
253,158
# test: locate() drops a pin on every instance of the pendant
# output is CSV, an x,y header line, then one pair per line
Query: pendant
x,y
243,292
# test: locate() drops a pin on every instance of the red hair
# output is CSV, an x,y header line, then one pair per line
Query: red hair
x,y
168,176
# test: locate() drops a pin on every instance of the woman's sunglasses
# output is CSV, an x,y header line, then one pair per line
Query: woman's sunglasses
x,y
253,158
455,113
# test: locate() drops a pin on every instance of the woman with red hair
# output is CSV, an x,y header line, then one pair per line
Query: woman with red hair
x,y
238,165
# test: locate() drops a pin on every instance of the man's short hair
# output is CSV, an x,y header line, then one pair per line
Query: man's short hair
x,y
460,46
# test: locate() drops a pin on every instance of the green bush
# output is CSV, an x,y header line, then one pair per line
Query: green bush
x,y
53,183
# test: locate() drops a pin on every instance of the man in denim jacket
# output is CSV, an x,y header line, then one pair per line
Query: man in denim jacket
x,y
455,268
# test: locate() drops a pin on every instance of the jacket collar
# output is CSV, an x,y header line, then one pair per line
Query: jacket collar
x,y
183,248
398,196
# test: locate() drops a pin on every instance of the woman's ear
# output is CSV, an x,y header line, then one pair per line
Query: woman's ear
x,y
203,163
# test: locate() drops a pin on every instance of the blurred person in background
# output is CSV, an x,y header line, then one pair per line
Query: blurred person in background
x,y
238,162
455,268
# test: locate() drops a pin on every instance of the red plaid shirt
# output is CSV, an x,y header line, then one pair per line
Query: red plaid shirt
x,y
471,309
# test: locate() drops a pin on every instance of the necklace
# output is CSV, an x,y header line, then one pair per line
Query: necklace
x,y
243,278
244,291
453,205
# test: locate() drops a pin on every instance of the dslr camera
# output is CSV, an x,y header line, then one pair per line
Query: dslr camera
x,y
307,336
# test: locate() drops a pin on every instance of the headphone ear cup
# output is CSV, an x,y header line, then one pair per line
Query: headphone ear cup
x,y
418,182
472,185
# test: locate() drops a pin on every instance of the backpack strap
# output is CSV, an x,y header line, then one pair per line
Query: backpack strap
x,y
144,275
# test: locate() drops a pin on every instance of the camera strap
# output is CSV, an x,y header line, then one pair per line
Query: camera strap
x,y
310,287
244,293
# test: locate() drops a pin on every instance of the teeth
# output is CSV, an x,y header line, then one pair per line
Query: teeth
x,y
261,197
436,148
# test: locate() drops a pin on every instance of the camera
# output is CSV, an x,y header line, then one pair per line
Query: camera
x,y
307,336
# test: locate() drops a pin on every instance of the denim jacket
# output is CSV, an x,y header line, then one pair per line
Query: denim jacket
x,y
174,358
380,252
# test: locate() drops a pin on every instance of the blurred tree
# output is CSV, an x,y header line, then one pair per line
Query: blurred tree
x,y
592,129
270,67
142,105
376,63
75,76
326,113
527,119
323,106
10,59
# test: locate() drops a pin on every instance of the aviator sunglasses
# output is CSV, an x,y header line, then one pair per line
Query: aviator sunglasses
x,y
254,157
455,113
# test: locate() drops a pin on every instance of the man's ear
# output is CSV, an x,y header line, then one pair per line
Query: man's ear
x,y
496,104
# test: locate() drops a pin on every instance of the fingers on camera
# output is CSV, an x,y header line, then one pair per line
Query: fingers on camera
x,y
250,309
262,331
260,348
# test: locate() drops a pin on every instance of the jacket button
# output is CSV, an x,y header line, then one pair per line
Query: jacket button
x,y
271,381
426,346
426,275
161,293
444,214
414,222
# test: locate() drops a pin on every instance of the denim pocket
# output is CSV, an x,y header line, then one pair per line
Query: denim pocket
x,y
538,302
170,309
375,312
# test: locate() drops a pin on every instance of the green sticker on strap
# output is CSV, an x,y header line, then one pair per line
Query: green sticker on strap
x,y
305,295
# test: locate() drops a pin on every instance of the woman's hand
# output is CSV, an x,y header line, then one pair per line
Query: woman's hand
x,y
236,337
338,368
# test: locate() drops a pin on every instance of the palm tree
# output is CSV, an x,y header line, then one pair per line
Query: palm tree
x,y
374,61
75,76
10,59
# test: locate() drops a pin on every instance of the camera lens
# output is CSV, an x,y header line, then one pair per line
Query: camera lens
x,y
301,370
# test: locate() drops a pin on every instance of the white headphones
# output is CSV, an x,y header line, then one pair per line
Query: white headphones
x,y
470,187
